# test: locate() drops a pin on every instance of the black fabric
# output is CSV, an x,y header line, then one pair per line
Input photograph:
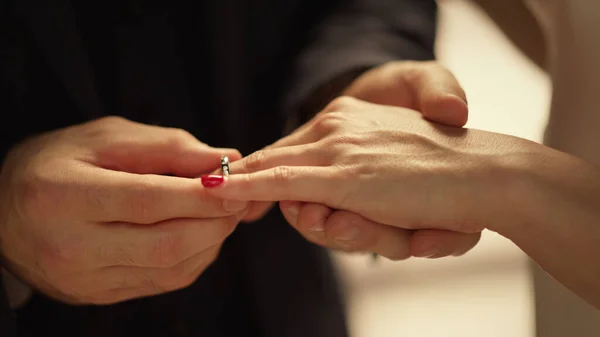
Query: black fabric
x,y
7,317
229,71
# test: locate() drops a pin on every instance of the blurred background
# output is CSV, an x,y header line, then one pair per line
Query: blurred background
x,y
489,291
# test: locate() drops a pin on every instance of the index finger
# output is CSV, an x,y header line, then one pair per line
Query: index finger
x,y
110,196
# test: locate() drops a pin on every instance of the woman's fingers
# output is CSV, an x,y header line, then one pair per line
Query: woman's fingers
x,y
164,244
433,243
297,155
299,183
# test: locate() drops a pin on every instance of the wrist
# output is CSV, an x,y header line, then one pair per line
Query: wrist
x,y
543,191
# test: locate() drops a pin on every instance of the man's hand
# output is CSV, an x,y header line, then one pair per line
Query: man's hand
x,y
89,214
426,87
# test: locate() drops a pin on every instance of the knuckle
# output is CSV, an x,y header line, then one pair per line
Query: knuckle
x,y
396,67
283,174
341,103
111,120
38,192
166,250
255,161
329,122
345,141
58,258
106,124
413,72
434,66
179,138
31,196
105,133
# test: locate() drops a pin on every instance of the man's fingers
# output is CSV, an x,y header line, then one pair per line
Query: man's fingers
x,y
169,278
109,196
424,86
161,245
121,283
351,232
440,243
346,230
307,218
439,96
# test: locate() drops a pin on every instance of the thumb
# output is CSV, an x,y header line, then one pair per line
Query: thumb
x,y
439,96
426,87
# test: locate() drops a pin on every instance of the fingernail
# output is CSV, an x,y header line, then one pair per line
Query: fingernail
x,y
459,98
318,227
351,233
212,180
427,253
234,205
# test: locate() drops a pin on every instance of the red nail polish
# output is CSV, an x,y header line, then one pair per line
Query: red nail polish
x,y
212,180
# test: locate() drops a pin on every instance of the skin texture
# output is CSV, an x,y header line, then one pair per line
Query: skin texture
x,y
424,86
392,169
89,214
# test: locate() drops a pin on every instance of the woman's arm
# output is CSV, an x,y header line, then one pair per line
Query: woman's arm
x,y
395,169
556,220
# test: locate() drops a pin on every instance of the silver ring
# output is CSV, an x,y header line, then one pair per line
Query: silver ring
x,y
225,165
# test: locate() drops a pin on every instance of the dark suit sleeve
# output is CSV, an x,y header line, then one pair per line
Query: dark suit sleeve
x,y
357,35
8,53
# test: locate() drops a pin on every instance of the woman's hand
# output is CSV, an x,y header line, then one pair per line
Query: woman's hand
x,y
387,165
393,168
427,87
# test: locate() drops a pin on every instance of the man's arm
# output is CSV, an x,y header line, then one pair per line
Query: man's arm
x,y
358,35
